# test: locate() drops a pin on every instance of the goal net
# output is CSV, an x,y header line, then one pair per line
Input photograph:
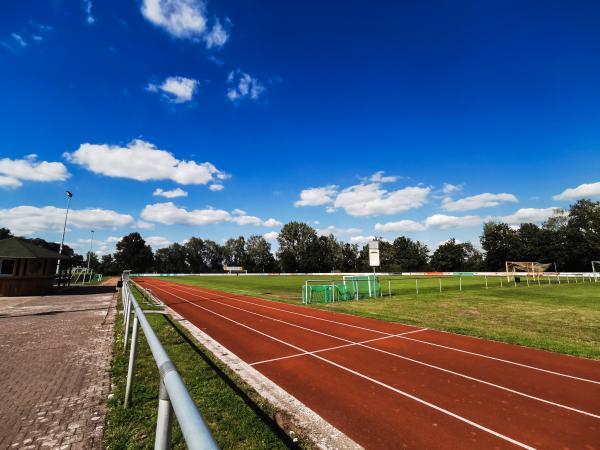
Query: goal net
x,y
532,268
350,288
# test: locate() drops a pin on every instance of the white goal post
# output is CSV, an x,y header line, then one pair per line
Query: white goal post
x,y
596,269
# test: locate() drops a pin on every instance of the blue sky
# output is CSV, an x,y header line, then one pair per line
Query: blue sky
x,y
386,119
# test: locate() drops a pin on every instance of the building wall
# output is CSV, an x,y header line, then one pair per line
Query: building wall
x,y
29,277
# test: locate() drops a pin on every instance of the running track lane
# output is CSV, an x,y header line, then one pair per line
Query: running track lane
x,y
389,385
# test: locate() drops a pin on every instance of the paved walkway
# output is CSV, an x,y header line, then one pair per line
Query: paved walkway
x,y
55,354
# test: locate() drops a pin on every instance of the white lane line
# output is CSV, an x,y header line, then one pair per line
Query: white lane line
x,y
481,355
406,358
333,348
358,374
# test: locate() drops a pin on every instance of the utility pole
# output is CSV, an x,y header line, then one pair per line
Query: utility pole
x,y
62,241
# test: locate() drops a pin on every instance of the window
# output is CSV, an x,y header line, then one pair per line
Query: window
x,y
7,266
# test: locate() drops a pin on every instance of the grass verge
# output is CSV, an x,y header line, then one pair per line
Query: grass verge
x,y
236,415
561,318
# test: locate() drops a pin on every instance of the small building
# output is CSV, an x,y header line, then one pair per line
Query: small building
x,y
26,269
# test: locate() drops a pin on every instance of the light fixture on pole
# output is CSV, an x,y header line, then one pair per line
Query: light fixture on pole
x,y
89,256
62,241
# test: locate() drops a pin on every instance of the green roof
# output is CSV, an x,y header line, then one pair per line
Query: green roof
x,y
18,248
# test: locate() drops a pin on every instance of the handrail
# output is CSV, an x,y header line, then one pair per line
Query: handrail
x,y
172,389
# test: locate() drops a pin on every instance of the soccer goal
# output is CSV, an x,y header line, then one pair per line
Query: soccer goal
x,y
531,268
596,270
351,287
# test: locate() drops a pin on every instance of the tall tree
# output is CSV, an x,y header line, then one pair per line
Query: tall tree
x,y
108,265
260,259
298,247
410,255
234,252
134,254
500,243
583,234
5,233
171,259
195,254
349,257
451,256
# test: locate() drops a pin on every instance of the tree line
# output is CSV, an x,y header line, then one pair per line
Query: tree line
x,y
571,239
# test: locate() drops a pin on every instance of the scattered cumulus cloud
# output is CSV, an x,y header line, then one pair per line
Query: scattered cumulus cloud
x,y
371,199
142,161
378,177
485,200
174,193
336,231
170,214
143,225
361,240
216,187
26,220
87,9
32,32
531,215
451,188
157,242
243,86
217,36
402,226
14,171
272,223
436,221
185,19
583,190
176,89
317,196
271,235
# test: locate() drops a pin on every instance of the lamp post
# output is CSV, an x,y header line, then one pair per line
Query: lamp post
x,y
62,241
88,258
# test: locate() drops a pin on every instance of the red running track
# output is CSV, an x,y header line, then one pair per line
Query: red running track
x,y
388,385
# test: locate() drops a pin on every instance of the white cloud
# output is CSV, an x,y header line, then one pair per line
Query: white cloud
x,y
216,187
27,220
443,221
87,8
247,220
142,161
402,226
143,225
530,215
217,36
436,221
378,177
19,39
485,200
176,89
361,240
271,235
272,223
9,182
174,193
169,214
583,190
371,199
30,169
338,231
244,86
157,242
451,188
317,196
184,19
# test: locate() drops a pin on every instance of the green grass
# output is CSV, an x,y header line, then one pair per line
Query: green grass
x,y
561,318
236,415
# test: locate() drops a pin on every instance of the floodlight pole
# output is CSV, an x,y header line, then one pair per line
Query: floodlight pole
x,y
88,259
62,241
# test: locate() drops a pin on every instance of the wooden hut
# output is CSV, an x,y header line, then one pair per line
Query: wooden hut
x,y
26,269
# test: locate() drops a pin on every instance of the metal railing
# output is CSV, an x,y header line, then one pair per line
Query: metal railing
x,y
173,395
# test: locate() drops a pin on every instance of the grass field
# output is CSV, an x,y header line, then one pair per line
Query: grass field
x,y
562,318
236,416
